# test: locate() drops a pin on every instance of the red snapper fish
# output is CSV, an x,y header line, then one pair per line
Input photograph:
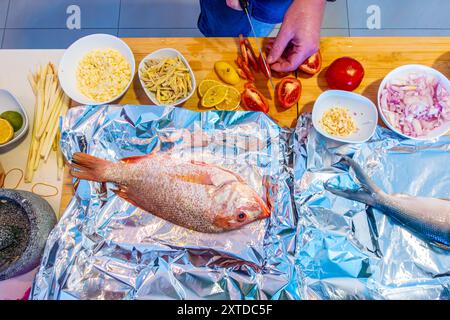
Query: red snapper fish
x,y
192,194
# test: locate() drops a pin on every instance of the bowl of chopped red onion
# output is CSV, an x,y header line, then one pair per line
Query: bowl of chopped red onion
x,y
414,101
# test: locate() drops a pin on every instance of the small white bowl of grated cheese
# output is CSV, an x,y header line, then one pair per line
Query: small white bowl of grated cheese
x,y
97,69
345,116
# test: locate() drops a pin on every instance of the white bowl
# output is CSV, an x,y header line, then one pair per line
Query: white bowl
x,y
8,102
166,53
363,111
439,131
74,54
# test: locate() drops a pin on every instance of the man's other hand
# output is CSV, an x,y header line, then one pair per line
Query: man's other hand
x,y
234,4
299,36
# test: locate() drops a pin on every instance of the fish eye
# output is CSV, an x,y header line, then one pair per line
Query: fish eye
x,y
241,217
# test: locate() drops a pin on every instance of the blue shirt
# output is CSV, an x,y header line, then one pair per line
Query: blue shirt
x,y
218,20
270,11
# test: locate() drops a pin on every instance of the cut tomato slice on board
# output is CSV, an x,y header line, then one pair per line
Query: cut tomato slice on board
x,y
253,100
252,58
252,61
266,71
243,48
313,64
245,69
268,47
242,74
288,92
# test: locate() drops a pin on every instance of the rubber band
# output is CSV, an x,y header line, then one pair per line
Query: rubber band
x,y
45,185
18,182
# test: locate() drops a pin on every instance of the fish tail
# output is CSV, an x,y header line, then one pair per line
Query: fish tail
x,y
363,178
355,195
87,167
369,192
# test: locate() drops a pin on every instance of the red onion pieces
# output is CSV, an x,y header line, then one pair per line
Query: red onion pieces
x,y
415,104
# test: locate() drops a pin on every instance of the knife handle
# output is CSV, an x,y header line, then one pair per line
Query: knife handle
x,y
244,4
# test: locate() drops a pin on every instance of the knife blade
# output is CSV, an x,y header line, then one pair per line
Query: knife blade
x,y
245,5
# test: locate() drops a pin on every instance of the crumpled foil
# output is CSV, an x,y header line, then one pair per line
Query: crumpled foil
x,y
105,248
315,245
346,250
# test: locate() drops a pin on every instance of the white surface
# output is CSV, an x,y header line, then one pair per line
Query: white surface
x,y
15,66
167,53
14,289
76,52
406,69
10,103
363,111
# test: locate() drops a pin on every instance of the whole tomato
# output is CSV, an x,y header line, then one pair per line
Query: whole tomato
x,y
345,74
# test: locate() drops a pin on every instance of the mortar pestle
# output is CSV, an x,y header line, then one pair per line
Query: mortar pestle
x,y
25,224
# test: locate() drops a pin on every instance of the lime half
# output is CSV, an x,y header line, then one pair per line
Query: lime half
x,y
14,118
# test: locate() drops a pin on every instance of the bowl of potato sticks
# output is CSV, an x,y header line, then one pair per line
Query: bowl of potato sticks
x,y
166,77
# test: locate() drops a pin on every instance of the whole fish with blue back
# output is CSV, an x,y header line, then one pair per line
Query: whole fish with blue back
x,y
427,217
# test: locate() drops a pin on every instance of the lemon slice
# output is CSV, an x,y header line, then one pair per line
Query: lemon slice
x,y
205,85
6,131
232,100
214,96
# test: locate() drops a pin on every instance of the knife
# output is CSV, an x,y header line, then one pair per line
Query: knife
x,y
245,5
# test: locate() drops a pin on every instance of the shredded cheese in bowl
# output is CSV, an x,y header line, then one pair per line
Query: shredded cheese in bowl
x,y
337,121
103,74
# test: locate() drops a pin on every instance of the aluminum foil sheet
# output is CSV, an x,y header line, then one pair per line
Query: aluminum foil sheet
x,y
105,248
346,250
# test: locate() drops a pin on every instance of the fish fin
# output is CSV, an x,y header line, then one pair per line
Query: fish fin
x,y
268,187
359,195
204,179
201,163
134,159
361,175
87,167
441,245
266,207
124,195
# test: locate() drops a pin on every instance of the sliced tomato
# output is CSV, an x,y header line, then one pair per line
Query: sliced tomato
x,y
274,73
241,73
252,61
288,92
253,100
243,48
268,47
313,64
252,57
242,65
266,71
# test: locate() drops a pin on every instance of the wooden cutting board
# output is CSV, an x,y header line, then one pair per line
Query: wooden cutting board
x,y
378,56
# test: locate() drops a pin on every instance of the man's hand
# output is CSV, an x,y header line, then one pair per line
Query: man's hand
x,y
234,4
299,36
